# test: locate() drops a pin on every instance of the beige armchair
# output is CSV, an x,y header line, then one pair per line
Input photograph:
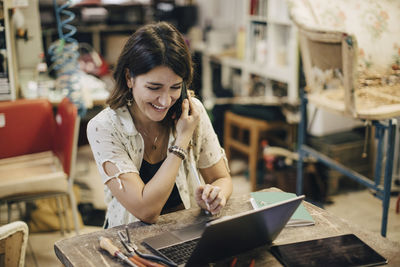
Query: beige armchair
x,y
13,243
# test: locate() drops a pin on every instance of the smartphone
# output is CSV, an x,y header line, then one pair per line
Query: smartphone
x,y
178,104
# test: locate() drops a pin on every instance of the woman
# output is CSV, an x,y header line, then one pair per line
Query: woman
x,y
149,142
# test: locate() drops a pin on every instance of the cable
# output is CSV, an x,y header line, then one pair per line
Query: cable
x,y
64,54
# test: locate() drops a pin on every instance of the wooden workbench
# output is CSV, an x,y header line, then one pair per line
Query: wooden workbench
x,y
84,250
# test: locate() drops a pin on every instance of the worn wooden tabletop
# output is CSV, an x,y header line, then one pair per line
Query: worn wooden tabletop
x,y
84,250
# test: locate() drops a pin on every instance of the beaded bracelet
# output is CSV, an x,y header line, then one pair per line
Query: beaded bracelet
x,y
180,152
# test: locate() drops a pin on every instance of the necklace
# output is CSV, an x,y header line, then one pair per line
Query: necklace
x,y
153,152
154,146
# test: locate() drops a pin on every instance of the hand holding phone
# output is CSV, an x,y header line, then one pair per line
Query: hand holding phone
x,y
184,95
185,125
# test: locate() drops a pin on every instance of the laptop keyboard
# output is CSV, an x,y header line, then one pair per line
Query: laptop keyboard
x,y
181,252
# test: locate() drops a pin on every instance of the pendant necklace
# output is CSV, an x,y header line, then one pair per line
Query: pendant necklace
x,y
154,146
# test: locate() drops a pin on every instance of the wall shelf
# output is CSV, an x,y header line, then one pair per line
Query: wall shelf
x,y
271,54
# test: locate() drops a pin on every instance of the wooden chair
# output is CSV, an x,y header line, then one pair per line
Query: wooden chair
x,y
236,127
351,58
13,243
38,154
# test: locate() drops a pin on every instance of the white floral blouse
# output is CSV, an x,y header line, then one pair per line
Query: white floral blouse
x,y
113,137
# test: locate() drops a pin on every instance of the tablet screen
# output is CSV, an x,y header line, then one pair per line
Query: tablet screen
x,y
344,250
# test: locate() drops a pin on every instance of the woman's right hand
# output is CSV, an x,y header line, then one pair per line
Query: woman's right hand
x,y
210,197
187,123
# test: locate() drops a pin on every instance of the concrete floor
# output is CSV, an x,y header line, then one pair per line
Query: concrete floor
x,y
367,215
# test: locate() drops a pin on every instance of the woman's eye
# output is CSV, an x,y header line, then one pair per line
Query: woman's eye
x,y
176,87
153,88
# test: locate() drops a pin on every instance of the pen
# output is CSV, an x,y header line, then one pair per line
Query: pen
x,y
199,182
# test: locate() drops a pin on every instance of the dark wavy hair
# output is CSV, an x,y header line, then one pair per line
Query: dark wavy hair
x,y
152,45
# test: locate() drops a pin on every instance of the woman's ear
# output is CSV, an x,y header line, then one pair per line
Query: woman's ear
x,y
128,78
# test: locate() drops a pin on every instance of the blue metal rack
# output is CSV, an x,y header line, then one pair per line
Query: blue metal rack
x,y
382,128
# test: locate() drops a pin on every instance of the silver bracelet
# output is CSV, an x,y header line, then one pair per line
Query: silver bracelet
x,y
180,152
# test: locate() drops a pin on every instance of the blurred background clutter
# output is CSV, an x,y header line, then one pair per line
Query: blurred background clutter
x,y
249,73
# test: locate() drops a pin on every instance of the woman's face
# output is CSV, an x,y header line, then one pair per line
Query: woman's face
x,y
155,92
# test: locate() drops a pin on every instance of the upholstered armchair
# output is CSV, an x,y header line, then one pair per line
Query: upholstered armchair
x,y
13,243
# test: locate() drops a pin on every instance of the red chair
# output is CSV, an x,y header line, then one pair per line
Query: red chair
x,y
38,153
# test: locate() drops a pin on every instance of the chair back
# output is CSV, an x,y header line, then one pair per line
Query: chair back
x,y
26,126
66,135
375,25
351,55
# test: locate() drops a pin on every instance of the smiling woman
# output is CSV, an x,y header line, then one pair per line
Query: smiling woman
x,y
147,142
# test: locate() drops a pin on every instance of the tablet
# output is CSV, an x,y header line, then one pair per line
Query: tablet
x,y
344,250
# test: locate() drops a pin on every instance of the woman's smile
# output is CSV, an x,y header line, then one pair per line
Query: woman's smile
x,y
159,108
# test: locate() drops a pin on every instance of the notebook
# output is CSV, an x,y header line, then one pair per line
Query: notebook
x,y
301,216
223,237
343,250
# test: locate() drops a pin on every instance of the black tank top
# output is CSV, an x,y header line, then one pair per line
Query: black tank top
x,y
147,171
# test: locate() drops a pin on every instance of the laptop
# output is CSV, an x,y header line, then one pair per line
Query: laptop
x,y
224,237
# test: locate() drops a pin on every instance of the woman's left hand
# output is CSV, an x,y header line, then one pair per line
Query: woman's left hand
x,y
210,198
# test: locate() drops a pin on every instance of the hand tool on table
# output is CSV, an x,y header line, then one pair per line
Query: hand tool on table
x,y
106,244
149,260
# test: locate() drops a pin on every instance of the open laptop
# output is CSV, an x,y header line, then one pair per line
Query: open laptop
x,y
223,237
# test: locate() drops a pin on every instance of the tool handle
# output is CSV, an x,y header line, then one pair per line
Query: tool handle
x,y
106,244
146,262
157,258
135,259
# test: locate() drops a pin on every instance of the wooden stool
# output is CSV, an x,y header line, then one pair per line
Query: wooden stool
x,y
251,147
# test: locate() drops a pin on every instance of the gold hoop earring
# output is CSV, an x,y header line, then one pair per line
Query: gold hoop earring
x,y
129,99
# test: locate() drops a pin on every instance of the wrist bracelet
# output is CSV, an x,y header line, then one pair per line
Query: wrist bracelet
x,y
180,152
